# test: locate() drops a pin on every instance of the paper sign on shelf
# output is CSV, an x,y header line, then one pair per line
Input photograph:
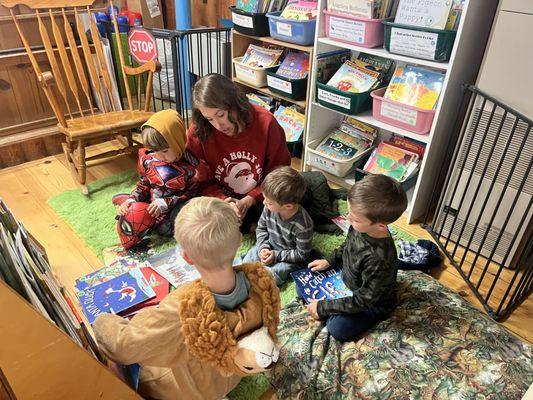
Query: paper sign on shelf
x,y
284,28
345,29
242,20
399,113
333,98
413,43
279,84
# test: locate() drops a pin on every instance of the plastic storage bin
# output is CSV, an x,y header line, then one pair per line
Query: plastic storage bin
x,y
360,173
410,118
294,89
291,30
255,76
413,41
295,148
344,102
354,30
330,164
253,24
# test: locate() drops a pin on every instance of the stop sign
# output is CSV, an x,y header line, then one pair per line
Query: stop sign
x,y
142,45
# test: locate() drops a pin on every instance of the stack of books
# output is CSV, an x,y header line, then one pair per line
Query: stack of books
x,y
295,65
365,73
261,56
300,10
260,6
415,86
127,285
435,14
371,9
398,158
350,141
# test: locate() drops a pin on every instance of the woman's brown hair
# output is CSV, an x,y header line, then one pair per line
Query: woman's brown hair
x,y
218,91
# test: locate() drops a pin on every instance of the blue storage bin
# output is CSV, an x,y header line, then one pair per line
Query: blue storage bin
x,y
291,30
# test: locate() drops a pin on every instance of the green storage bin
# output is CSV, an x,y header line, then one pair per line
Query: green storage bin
x,y
360,173
431,44
295,148
344,102
294,89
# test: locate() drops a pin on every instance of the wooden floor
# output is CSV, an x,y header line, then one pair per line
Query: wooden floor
x,y
27,187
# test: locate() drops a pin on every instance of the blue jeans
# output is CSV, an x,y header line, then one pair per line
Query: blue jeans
x,y
280,271
346,327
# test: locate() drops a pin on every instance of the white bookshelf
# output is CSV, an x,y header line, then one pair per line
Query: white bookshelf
x,y
462,68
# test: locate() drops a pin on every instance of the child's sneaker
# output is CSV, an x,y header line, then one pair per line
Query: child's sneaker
x,y
120,198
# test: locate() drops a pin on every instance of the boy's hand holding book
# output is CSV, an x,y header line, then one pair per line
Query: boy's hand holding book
x,y
318,265
312,306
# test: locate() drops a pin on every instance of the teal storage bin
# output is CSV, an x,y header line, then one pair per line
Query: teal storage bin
x,y
344,102
294,89
418,42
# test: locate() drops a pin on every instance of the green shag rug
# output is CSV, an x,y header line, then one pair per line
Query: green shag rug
x,y
93,219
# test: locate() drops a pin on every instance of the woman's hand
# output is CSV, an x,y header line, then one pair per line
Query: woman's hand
x,y
243,205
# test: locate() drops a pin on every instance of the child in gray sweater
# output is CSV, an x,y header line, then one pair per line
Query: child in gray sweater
x,y
284,230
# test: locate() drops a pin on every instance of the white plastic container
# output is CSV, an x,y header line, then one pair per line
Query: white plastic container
x,y
330,164
255,76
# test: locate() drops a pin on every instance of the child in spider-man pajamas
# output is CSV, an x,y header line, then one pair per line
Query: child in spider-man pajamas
x,y
169,175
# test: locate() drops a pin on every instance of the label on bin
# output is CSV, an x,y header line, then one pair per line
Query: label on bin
x,y
246,74
279,84
242,20
327,165
345,29
333,98
413,43
284,28
398,113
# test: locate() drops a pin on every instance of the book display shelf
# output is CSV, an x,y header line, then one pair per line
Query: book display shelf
x,y
239,44
461,68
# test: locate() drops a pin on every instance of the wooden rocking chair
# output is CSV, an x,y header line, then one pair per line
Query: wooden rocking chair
x,y
90,126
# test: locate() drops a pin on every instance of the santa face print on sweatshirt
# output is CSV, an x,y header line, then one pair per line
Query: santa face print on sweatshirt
x,y
239,171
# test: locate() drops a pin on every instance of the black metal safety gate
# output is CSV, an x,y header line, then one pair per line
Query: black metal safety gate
x,y
483,219
185,56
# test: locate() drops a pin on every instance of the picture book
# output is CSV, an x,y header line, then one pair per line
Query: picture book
x,y
295,65
161,288
455,15
390,160
171,266
328,63
357,8
251,6
325,285
423,13
259,56
355,76
115,295
342,223
384,64
343,146
291,121
301,10
408,144
108,272
356,128
415,86
262,101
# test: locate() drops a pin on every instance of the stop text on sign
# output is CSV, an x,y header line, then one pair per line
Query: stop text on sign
x,y
142,45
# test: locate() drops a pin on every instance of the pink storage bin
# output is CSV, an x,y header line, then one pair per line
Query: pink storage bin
x,y
354,30
410,118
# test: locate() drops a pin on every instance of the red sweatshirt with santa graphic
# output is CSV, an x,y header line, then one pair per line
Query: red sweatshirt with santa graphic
x,y
240,163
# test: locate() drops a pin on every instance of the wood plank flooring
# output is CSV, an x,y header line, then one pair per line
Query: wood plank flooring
x,y
27,187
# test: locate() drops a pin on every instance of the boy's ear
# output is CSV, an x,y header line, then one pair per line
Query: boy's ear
x,y
382,226
186,257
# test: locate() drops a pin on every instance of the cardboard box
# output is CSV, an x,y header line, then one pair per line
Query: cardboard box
x,y
151,11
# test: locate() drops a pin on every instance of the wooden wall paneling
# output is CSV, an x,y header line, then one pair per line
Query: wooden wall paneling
x,y
204,13
169,14
223,8
9,112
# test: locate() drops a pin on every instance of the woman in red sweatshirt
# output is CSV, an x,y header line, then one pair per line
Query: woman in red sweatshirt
x,y
241,143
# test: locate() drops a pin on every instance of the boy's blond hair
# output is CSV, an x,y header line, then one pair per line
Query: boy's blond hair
x,y
207,229
153,140
284,185
379,198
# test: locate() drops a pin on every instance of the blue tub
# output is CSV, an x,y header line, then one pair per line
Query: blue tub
x,y
291,30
